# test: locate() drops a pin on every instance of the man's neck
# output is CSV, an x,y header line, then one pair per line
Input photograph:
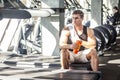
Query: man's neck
x,y
79,27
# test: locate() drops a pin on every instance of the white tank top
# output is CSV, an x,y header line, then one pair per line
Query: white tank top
x,y
73,34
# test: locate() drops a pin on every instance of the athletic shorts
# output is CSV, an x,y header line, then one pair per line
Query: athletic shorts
x,y
80,56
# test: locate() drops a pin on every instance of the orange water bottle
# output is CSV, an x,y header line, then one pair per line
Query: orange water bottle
x,y
78,42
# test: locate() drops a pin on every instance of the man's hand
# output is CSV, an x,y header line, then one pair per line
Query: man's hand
x,y
76,44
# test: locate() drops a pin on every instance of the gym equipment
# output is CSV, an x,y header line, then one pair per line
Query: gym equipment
x,y
23,13
87,24
100,40
106,35
112,31
9,34
14,13
3,27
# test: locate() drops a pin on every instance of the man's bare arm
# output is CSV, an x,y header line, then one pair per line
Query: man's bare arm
x,y
91,43
64,38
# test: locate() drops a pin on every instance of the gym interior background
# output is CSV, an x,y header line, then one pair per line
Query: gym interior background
x,y
30,30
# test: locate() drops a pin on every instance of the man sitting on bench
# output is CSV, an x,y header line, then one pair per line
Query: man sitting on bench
x,y
76,31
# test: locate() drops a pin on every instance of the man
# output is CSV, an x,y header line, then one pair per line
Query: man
x,y
116,15
76,31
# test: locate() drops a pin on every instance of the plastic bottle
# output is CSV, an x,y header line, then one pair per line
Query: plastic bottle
x,y
78,42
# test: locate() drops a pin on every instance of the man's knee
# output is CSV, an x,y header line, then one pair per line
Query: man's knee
x,y
64,52
93,52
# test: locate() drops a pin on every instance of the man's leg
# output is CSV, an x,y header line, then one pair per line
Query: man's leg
x,y
64,54
92,56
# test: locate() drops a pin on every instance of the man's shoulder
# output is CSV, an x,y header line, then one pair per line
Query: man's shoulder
x,y
68,27
69,24
65,28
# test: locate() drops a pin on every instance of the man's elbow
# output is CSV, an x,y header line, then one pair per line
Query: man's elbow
x,y
60,45
94,45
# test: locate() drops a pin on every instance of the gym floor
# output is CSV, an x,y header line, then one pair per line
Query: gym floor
x,y
37,67
110,62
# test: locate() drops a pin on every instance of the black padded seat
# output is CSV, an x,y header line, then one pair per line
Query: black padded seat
x,y
83,66
73,75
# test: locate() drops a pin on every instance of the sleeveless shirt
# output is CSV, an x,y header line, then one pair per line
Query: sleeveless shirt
x,y
74,35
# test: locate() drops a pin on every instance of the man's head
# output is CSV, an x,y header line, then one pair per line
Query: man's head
x,y
115,9
78,12
77,17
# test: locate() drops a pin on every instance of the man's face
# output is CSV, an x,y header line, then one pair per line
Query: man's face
x,y
114,10
76,19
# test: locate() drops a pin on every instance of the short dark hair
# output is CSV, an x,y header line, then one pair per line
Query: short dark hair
x,y
115,7
78,12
